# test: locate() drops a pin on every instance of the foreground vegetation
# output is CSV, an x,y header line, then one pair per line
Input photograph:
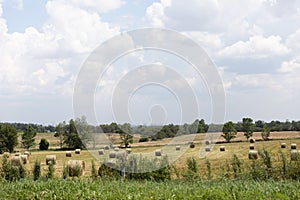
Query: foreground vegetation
x,y
118,189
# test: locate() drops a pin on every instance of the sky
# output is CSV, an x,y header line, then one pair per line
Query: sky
x,y
254,45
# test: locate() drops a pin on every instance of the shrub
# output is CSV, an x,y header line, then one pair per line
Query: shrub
x,y
51,169
143,139
65,172
44,144
94,171
36,170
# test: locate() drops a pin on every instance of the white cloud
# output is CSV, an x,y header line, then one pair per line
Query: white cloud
x,y
101,6
155,13
18,4
256,47
289,66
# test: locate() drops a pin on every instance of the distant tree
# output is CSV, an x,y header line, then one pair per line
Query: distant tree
x,y
126,134
72,139
247,127
28,137
44,144
229,131
202,127
8,138
265,134
60,132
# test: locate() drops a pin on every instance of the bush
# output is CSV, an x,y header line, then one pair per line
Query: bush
x,y
36,170
143,139
51,169
44,144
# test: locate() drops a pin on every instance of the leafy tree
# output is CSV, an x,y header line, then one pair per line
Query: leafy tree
x,y
44,144
60,132
229,131
28,137
202,127
8,138
72,139
126,134
247,127
265,134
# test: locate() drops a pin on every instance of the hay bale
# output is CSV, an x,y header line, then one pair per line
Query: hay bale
x,y
158,152
128,150
24,159
50,159
77,151
17,154
192,145
27,153
295,155
111,163
15,161
117,149
106,147
177,148
293,146
252,140
76,167
121,155
112,154
207,142
283,145
253,154
251,146
6,154
68,154
222,148
207,149
101,152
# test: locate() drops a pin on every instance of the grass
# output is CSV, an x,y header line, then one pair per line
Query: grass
x,y
102,189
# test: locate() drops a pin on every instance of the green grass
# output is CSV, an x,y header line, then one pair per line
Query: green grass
x,y
102,189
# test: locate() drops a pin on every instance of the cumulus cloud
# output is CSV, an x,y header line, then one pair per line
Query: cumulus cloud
x,y
289,66
256,47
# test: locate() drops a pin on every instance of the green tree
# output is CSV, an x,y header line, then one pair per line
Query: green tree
x,y
247,127
265,134
229,131
60,132
126,134
44,144
72,139
202,127
28,137
8,138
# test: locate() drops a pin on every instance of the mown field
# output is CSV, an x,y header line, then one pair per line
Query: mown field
x,y
104,189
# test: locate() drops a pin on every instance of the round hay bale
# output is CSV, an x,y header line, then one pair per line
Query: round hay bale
x,y
101,152
50,159
68,154
158,152
128,150
76,167
222,148
253,154
207,142
116,149
251,146
295,155
283,145
192,145
111,163
293,146
6,154
106,147
24,159
121,155
27,153
207,149
112,154
177,148
15,161
17,154
77,151
252,140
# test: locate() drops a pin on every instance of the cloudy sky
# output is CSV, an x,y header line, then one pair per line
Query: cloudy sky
x,y
254,44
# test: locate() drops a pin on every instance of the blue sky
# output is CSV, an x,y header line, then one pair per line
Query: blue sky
x,y
255,46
